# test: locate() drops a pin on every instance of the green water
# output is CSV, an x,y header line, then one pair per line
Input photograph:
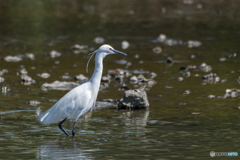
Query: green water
x,y
176,125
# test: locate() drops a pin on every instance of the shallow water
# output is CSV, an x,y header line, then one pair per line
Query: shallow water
x,y
176,125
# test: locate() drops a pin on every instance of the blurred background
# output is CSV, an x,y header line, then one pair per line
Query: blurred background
x,y
184,53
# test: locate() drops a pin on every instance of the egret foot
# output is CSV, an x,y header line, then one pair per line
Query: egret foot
x,y
60,126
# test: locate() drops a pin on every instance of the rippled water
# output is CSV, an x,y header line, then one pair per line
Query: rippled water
x,y
176,125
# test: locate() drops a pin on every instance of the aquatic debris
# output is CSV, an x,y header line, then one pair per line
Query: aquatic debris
x,y
152,75
79,48
26,78
222,59
57,85
231,92
136,56
55,54
169,60
2,72
134,79
81,78
180,78
141,78
44,75
162,38
170,42
124,87
5,89
23,71
186,74
104,104
105,79
2,79
157,50
186,92
192,43
204,67
30,56
125,44
134,99
211,78
12,58
121,61
103,86
118,78
184,68
99,40
56,62
211,96
33,103
66,77
187,1
232,55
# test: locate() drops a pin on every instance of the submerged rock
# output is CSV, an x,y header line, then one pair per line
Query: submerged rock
x,y
211,78
55,54
59,85
81,78
30,56
79,48
99,40
33,103
26,78
125,44
2,79
12,59
169,60
157,50
105,79
5,89
2,72
134,99
204,67
44,75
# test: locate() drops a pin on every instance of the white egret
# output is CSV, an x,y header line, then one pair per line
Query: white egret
x,y
79,100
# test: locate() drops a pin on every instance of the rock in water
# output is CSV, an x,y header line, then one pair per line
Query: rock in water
x,y
134,99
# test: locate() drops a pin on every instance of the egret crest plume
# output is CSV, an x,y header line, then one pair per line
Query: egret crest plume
x,y
92,54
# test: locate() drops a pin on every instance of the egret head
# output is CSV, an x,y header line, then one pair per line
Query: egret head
x,y
103,51
107,49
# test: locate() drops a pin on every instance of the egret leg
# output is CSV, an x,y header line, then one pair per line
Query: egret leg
x,y
60,126
73,131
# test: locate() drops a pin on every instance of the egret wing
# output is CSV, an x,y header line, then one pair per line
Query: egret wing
x,y
69,106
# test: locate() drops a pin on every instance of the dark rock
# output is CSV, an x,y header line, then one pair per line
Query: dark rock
x,y
105,79
134,99
184,68
169,60
81,77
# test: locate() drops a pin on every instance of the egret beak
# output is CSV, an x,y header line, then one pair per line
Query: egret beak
x,y
118,52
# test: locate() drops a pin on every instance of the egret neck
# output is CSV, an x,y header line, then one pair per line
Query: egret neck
x,y
97,75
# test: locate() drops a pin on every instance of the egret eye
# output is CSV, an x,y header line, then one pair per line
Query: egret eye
x,y
111,49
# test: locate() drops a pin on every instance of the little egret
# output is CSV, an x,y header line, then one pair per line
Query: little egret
x,y
79,100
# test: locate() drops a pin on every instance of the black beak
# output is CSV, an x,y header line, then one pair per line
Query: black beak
x,y
118,52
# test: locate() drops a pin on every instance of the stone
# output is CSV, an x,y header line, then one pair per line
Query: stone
x,y
134,99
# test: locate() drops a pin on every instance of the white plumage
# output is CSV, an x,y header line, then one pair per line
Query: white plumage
x,y
79,100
